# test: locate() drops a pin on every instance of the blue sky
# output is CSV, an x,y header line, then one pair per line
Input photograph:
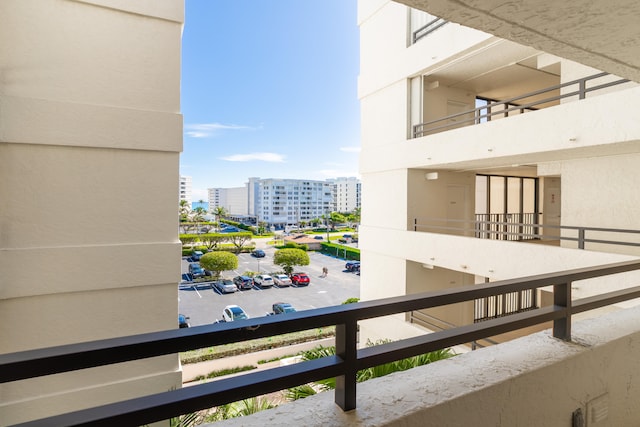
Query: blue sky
x,y
269,89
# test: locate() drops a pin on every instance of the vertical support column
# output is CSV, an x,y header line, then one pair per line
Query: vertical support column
x,y
562,299
581,238
346,349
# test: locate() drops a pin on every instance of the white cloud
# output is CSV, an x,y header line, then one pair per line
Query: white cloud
x,y
350,149
263,157
205,130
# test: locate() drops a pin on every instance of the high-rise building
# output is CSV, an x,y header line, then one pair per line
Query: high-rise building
x,y
346,194
475,147
185,191
234,200
287,202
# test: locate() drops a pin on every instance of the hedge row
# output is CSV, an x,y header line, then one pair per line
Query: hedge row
x,y
340,251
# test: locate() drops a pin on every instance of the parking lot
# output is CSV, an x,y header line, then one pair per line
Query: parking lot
x,y
203,304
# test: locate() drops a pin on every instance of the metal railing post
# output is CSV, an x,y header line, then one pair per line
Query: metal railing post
x,y
581,238
346,349
582,89
562,299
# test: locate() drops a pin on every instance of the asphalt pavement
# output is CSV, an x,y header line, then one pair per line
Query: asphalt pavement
x,y
203,304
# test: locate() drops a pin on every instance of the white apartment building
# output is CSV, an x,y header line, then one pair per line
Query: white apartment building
x,y
486,141
185,189
235,200
346,194
287,202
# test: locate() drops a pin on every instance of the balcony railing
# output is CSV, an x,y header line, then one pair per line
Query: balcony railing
x,y
517,104
526,227
344,365
428,28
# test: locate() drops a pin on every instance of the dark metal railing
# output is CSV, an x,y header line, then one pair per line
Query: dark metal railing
x,y
511,229
344,365
510,226
428,28
518,104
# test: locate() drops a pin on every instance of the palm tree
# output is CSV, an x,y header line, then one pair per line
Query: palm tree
x,y
219,212
197,215
184,210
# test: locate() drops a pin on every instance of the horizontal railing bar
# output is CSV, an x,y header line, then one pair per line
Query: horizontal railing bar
x,y
602,300
52,360
163,406
396,350
496,108
34,363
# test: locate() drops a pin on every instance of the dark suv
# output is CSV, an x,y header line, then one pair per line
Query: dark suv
x,y
352,266
243,282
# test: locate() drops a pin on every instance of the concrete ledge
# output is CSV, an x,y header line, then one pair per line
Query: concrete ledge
x,y
532,381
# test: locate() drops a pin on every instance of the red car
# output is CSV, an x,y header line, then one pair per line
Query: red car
x,y
300,279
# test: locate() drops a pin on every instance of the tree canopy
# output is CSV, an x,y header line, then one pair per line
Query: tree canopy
x,y
288,258
218,262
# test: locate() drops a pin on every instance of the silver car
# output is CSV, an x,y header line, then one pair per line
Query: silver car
x,y
282,280
225,286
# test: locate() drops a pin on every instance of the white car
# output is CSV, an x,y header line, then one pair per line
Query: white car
x,y
263,280
233,312
282,280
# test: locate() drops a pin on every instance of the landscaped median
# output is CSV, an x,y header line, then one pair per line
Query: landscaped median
x,y
232,358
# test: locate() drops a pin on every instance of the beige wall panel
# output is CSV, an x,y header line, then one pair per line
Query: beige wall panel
x,y
388,208
170,10
42,271
65,318
39,121
86,54
87,397
126,196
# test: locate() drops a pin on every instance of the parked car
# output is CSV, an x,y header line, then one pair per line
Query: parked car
x,y
282,280
182,321
318,237
352,266
258,253
263,280
225,286
243,282
196,270
196,255
300,279
229,229
282,308
233,312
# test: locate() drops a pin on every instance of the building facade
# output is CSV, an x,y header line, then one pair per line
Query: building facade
x,y
288,202
486,143
235,201
90,138
185,189
346,194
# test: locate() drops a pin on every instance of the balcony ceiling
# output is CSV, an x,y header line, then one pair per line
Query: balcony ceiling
x,y
601,34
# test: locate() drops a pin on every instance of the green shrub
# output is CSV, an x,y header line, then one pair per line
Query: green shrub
x,y
344,252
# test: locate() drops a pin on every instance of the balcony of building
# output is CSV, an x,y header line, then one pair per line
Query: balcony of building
x,y
545,379
518,80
